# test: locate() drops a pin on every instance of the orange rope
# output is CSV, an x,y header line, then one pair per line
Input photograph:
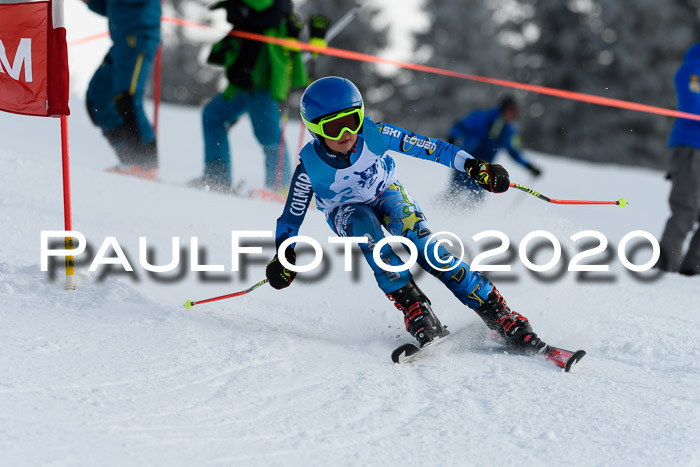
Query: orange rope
x,y
362,57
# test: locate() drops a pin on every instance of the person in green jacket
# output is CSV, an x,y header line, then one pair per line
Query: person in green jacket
x,y
260,76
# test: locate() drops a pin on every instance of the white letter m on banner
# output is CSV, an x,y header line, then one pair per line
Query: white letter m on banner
x,y
23,56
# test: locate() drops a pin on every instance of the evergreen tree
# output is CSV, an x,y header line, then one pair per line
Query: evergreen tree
x,y
459,38
622,50
186,79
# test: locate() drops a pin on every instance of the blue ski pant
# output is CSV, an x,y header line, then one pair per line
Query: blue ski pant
x,y
124,71
222,113
398,213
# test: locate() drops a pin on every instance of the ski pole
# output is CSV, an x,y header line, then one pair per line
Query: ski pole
x,y
190,303
622,202
309,58
337,28
282,144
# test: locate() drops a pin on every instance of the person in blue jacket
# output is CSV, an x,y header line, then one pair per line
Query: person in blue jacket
x,y
115,93
684,173
483,133
348,169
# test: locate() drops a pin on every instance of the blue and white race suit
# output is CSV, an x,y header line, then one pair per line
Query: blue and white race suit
x,y
360,194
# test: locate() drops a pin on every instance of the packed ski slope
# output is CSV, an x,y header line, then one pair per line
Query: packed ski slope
x,y
120,373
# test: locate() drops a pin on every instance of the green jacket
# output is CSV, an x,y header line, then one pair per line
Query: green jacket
x,y
252,65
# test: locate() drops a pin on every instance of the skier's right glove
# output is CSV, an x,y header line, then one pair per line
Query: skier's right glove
x,y
491,177
318,28
279,276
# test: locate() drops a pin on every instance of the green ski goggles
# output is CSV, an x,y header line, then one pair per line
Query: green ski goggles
x,y
335,125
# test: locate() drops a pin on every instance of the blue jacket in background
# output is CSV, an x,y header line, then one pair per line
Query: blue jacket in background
x,y
687,132
483,133
130,17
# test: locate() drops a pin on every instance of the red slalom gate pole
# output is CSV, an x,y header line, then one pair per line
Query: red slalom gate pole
x,y
300,144
280,151
67,210
622,202
157,75
156,88
190,303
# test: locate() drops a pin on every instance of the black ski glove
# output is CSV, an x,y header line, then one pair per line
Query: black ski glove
x,y
294,26
491,177
279,276
319,26
536,172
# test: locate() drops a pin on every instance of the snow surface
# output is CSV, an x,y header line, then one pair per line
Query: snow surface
x,y
120,373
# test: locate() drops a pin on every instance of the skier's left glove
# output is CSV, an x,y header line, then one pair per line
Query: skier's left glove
x,y
279,276
491,177
294,25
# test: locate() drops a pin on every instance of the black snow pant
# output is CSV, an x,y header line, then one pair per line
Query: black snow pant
x,y
685,213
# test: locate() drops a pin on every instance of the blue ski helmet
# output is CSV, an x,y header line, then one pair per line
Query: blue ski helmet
x,y
326,96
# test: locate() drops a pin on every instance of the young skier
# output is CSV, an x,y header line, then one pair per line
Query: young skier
x,y
348,169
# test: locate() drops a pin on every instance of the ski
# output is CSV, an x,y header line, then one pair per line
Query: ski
x,y
565,359
136,171
237,190
407,352
266,194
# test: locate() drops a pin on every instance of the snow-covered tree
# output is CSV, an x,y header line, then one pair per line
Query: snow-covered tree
x,y
622,50
463,38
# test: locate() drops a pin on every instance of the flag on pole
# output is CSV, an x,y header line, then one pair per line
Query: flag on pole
x,y
34,78
33,58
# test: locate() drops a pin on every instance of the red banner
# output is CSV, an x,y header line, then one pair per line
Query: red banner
x,y
33,59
